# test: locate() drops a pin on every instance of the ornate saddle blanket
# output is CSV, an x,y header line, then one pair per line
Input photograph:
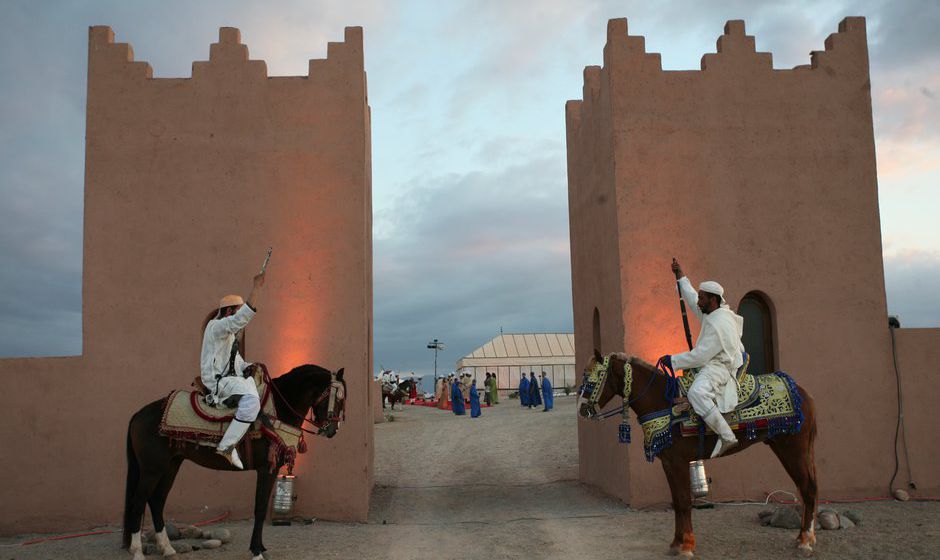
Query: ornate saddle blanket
x,y
188,419
768,402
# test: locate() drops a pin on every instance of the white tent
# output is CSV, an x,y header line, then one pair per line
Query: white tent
x,y
510,355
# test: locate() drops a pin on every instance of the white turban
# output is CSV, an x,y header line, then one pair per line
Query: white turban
x,y
713,287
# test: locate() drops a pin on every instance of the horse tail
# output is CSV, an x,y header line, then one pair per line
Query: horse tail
x,y
133,479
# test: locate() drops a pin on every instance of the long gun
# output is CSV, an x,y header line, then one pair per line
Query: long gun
x,y
685,316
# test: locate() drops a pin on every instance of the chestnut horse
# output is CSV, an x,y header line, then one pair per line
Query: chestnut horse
x,y
649,392
153,460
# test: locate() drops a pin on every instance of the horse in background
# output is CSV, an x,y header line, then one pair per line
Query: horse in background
x,y
153,460
398,394
651,391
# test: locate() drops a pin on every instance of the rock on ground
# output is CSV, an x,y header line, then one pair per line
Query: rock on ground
x,y
855,516
172,531
828,519
219,534
211,543
786,517
190,532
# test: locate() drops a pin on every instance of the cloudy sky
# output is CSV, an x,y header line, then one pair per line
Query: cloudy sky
x,y
470,202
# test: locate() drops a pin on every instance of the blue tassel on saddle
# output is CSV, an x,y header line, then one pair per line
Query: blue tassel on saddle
x,y
624,434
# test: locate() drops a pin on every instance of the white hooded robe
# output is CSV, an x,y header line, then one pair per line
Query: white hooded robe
x,y
718,351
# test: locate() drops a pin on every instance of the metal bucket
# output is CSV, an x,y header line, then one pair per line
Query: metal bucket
x,y
698,478
283,499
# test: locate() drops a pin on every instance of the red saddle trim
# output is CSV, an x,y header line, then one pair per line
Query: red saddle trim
x,y
197,404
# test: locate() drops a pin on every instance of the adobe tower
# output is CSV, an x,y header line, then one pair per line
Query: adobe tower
x,y
763,180
187,182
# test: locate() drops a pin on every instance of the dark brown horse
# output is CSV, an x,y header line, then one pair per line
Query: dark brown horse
x,y
153,461
398,394
648,394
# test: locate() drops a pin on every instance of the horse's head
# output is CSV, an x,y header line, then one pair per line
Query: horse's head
x,y
598,386
329,408
403,389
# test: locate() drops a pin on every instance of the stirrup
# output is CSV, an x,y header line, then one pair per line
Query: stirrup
x,y
722,446
231,455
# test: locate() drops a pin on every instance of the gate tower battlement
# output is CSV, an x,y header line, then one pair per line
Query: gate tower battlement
x,y
228,58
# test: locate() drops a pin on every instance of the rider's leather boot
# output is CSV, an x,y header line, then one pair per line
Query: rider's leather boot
x,y
719,425
234,434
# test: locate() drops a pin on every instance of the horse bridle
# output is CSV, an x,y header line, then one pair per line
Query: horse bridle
x,y
592,384
336,391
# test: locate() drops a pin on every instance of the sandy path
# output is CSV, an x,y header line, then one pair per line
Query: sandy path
x,y
507,445
503,486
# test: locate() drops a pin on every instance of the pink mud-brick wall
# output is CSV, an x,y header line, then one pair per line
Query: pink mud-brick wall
x,y
762,179
187,182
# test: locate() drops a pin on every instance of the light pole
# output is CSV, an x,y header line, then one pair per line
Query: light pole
x,y
435,345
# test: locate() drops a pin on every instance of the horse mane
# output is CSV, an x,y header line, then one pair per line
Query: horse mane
x,y
641,362
299,378
633,360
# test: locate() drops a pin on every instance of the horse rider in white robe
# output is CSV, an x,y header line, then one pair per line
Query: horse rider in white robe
x,y
717,355
226,375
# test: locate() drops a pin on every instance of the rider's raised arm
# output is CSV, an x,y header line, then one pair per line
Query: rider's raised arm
x,y
690,296
707,346
233,323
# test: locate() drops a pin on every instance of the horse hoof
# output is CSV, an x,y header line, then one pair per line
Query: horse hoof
x,y
686,554
805,550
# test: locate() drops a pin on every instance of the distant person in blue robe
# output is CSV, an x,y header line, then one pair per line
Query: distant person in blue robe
x,y
474,400
524,390
457,398
535,398
547,394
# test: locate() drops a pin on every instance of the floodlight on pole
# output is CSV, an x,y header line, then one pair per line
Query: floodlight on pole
x,y
435,345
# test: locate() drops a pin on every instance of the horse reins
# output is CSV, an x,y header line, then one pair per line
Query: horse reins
x,y
628,371
331,391
597,378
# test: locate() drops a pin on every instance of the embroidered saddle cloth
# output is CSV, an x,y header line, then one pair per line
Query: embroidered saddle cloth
x,y
761,399
187,418
768,402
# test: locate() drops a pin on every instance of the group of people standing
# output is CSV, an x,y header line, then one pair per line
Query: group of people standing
x,y
534,393
461,391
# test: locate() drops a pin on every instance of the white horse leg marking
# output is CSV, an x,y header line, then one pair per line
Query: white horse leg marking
x,y
136,548
807,539
163,543
258,557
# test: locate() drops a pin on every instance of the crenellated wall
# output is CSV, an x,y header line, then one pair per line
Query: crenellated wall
x,y
187,182
594,267
761,179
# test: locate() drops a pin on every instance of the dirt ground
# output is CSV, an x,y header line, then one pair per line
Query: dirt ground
x,y
505,486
